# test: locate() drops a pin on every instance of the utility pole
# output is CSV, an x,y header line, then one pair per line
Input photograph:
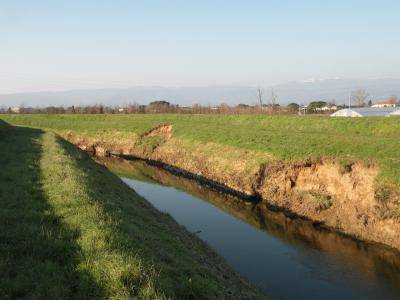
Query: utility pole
x,y
273,98
260,96
350,101
273,101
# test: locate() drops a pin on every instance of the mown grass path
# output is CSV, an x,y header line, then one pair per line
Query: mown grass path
x,y
72,229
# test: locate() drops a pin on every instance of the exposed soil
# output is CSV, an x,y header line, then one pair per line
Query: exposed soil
x,y
348,199
340,197
164,129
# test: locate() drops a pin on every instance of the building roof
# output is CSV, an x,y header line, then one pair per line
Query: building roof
x,y
391,100
366,112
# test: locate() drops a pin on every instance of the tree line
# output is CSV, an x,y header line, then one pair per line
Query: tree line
x,y
358,98
160,107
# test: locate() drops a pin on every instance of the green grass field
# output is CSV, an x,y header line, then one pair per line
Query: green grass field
x,y
70,229
287,138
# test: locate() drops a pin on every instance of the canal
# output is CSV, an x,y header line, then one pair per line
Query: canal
x,y
287,258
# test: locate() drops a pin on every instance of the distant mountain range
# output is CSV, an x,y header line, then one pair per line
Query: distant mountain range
x,y
336,90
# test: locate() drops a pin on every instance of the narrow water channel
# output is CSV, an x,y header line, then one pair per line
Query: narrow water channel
x,y
286,258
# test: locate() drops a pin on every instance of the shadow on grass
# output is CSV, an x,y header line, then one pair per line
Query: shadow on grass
x,y
38,254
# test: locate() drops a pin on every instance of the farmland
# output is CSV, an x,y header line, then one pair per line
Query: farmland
x,y
340,172
287,138
87,234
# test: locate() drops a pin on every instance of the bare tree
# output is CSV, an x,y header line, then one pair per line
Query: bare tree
x,y
359,96
272,102
260,96
273,98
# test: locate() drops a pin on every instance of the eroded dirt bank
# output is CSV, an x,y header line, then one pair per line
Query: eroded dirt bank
x,y
341,196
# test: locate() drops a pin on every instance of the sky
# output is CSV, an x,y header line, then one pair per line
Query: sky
x,y
60,45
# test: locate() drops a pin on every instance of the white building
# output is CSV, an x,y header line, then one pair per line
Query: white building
x,y
367,112
391,102
327,107
15,110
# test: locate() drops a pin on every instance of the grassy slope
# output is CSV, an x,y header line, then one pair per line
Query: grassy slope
x,y
71,229
284,137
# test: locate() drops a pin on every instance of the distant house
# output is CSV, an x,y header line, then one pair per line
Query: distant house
x,y
15,110
241,105
328,107
303,109
158,106
391,102
367,112
185,108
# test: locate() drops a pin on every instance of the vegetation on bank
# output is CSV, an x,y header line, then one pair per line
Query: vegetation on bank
x,y
286,138
72,229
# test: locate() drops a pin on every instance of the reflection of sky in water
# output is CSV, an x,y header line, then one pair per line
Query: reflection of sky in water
x,y
283,270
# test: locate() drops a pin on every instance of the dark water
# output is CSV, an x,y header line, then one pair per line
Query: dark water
x,y
286,258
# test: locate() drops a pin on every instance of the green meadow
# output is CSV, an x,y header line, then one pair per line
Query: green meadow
x,y
72,229
284,138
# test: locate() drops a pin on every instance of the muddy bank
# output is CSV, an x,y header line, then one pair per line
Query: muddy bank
x,y
201,179
336,194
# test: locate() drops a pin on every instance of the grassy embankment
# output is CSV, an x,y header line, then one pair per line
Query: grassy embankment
x,y
72,229
287,138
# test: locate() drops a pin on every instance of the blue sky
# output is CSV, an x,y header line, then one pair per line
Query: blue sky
x,y
58,45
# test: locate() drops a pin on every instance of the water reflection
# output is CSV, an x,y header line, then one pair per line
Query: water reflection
x,y
287,258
